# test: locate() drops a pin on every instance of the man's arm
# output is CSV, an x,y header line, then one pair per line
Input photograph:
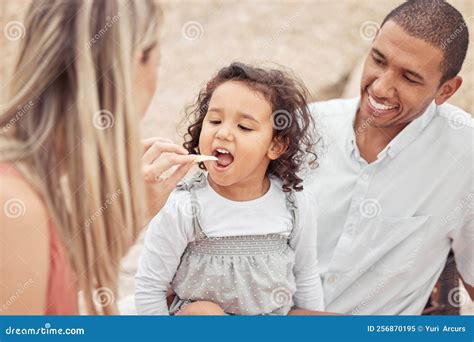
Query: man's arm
x,y
462,244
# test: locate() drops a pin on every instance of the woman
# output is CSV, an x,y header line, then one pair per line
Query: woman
x,y
76,186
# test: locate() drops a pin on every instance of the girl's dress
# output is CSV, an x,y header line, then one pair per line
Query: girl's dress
x,y
243,274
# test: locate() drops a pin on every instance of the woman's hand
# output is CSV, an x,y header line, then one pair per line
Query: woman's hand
x,y
159,161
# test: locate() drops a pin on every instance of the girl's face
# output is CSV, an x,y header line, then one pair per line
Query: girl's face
x,y
238,130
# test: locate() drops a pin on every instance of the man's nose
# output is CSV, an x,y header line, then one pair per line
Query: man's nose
x,y
384,86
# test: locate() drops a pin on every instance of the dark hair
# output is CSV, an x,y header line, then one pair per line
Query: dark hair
x,y
438,23
292,121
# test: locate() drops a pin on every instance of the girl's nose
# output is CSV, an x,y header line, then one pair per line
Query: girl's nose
x,y
225,133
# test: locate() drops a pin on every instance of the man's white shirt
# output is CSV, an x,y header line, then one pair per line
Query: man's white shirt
x,y
385,228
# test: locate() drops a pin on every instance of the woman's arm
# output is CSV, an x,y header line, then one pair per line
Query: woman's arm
x,y
164,164
24,249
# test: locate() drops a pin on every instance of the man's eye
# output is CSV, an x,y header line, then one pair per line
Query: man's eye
x,y
377,61
409,79
245,128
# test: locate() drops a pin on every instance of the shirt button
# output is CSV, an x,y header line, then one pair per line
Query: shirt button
x,y
332,279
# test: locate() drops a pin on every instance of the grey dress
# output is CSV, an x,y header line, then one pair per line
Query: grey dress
x,y
244,275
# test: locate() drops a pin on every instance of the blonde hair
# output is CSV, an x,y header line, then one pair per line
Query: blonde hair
x,y
71,129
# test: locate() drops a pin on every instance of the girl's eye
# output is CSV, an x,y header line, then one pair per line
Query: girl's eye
x,y
245,128
214,122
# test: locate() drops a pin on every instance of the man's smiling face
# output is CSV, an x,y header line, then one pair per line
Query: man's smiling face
x,y
401,78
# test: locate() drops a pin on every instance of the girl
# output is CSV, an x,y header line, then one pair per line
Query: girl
x,y
240,238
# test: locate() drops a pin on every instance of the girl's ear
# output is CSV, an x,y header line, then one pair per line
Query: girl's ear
x,y
277,148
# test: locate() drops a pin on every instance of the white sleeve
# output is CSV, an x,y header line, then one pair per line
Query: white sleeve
x,y
309,290
166,238
463,247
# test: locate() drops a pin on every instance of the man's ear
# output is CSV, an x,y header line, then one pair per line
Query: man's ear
x,y
448,89
277,148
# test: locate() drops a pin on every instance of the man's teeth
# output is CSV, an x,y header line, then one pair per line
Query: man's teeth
x,y
220,150
380,106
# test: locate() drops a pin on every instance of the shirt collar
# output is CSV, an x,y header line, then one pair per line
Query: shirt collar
x,y
351,143
403,139
412,131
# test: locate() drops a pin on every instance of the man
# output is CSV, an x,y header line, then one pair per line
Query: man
x,y
395,185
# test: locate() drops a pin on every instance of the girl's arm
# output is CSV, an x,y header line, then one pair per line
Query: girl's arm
x,y
309,290
166,239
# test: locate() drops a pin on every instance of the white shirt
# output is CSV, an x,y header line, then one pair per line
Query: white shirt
x,y
385,228
172,229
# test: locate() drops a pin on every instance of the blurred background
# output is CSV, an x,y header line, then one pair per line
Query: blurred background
x,y
324,42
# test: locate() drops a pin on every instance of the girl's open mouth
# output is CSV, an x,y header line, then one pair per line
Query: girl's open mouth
x,y
224,158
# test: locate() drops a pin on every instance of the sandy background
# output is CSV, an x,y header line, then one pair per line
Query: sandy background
x,y
323,42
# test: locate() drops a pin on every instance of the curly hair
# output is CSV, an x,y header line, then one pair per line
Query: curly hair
x,y
293,124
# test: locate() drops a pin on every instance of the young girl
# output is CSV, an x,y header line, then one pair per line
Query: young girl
x,y
240,238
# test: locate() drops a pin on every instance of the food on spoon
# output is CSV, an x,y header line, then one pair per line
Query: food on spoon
x,y
202,158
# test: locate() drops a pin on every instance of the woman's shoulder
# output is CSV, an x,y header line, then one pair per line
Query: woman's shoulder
x,y
22,205
24,231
